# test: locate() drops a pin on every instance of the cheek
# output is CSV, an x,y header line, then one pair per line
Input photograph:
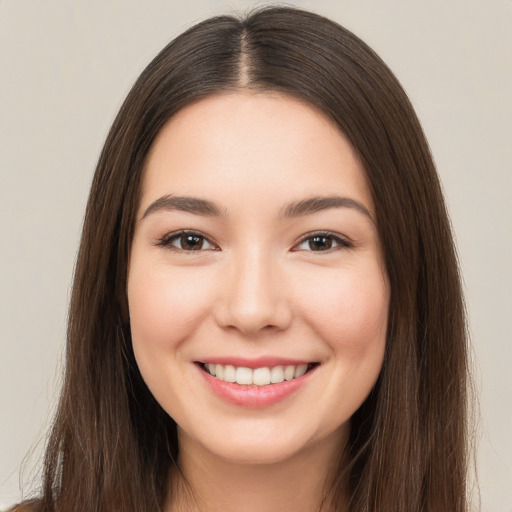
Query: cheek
x,y
165,307
349,315
349,312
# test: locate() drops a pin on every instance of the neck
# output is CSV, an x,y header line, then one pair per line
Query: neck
x,y
206,482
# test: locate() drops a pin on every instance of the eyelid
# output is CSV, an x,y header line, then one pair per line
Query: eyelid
x,y
165,241
341,241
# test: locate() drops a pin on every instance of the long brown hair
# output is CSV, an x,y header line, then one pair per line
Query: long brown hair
x,y
112,445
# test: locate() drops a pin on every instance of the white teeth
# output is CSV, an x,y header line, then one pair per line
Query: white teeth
x,y
259,376
276,375
289,372
243,375
300,370
229,373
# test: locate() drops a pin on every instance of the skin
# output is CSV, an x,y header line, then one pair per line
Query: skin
x,y
254,287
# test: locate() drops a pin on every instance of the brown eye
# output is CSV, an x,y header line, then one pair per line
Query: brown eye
x,y
190,242
322,242
186,242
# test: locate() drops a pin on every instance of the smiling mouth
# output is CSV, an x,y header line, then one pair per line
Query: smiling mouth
x,y
264,376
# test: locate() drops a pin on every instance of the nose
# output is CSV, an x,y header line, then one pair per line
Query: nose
x,y
253,298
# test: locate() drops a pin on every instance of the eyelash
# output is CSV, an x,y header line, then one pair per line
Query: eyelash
x,y
341,243
167,241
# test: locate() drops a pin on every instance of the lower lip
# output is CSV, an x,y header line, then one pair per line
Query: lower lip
x,y
255,396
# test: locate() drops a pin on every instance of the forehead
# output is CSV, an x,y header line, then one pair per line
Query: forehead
x,y
239,146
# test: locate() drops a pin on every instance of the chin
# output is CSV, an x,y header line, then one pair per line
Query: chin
x,y
263,445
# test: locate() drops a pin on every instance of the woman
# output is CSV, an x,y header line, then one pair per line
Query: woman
x,y
266,311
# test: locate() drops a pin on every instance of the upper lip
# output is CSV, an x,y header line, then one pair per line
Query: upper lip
x,y
258,362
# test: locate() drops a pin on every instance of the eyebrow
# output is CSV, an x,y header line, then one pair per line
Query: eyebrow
x,y
183,204
300,208
317,204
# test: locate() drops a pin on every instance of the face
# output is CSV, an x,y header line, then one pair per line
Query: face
x,y
257,295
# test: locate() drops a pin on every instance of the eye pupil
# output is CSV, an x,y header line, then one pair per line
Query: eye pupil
x,y
191,242
320,243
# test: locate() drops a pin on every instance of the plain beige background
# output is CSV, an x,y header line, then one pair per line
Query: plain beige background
x,y
65,67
